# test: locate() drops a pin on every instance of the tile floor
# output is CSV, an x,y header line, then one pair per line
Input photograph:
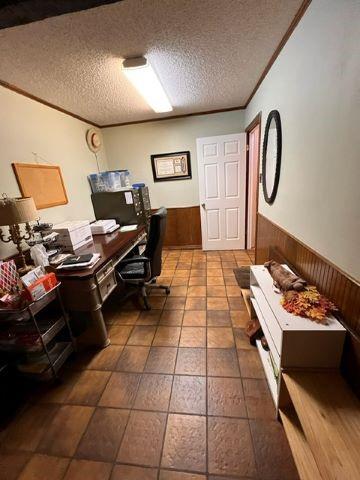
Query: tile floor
x,y
179,395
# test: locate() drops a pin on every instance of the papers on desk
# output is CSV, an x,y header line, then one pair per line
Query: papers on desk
x,y
82,265
128,228
101,227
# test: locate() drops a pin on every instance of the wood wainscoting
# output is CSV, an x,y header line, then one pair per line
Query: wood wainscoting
x,y
183,227
274,242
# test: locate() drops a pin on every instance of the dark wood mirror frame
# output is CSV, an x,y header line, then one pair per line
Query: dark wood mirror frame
x,y
270,196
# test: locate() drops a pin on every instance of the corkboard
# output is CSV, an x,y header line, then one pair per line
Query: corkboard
x,y
42,182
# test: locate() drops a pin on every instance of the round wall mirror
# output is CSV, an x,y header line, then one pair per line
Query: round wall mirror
x,y
271,159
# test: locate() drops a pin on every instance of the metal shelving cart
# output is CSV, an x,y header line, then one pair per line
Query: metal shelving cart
x,y
29,335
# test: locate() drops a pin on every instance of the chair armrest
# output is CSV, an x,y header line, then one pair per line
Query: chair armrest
x,y
135,259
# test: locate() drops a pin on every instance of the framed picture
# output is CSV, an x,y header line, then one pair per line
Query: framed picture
x,y
171,166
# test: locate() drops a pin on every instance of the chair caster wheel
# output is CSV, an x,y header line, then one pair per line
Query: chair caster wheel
x,y
167,291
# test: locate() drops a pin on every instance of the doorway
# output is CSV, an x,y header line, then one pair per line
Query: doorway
x,y
222,189
253,136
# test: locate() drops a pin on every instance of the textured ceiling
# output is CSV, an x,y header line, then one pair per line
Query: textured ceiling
x,y
209,54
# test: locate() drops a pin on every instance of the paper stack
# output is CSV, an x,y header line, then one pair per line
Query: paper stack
x,y
100,227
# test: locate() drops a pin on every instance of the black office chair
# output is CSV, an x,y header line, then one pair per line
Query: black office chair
x,y
141,270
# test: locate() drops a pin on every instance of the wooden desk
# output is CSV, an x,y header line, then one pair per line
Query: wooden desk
x,y
87,290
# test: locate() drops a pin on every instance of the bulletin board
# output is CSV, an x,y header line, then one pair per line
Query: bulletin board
x,y
42,182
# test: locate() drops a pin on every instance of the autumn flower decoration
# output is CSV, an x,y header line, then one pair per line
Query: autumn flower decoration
x,y
308,303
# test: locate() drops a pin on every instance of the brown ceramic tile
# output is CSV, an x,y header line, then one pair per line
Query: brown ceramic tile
x,y
120,391
129,472
154,392
175,303
81,469
218,280
230,264
196,291
185,443
193,337
239,318
178,291
58,392
142,335
258,399
12,463
214,272
26,431
188,395
126,317
250,364
171,318
220,337
218,318
197,272
119,334
230,280
197,281
106,358
102,438
236,303
226,397
150,317
143,439
168,475
89,387
182,273
216,291
230,447
39,466
167,336
241,339
217,303
214,264
222,362
179,282
157,301
161,360
191,361
194,318
233,291
195,303
65,431
272,452
133,359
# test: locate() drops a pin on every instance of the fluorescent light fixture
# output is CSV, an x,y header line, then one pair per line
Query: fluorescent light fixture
x,y
142,76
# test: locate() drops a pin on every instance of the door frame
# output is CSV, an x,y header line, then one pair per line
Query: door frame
x,y
254,123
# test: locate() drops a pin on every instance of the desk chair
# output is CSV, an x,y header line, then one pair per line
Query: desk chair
x,y
141,270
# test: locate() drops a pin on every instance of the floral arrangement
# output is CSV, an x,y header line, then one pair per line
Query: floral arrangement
x,y
308,303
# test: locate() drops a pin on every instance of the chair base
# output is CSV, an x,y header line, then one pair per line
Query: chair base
x,y
141,287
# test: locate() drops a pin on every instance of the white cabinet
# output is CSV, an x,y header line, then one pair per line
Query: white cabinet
x,y
294,342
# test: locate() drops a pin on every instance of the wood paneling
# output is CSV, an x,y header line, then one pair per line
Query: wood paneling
x,y
274,242
183,227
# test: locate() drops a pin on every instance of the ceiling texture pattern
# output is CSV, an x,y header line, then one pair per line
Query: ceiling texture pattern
x,y
208,54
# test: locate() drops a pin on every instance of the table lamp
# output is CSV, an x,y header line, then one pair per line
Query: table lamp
x,y
13,212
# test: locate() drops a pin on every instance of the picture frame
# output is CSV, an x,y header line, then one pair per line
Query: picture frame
x,y
171,166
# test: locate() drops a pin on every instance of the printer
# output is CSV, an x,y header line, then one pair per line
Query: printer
x,y
73,234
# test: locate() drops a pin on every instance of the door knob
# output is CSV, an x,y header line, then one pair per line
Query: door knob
x,y
203,206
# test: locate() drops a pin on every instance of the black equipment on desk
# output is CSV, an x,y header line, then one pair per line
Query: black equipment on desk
x,y
123,206
145,206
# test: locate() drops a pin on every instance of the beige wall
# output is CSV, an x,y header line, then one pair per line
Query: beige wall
x,y
27,126
315,85
131,146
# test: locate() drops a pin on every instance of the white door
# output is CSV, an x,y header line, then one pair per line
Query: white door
x,y
222,185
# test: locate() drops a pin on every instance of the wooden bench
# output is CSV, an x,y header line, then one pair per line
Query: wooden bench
x,y
321,417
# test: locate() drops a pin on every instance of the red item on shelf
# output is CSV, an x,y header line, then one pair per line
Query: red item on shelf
x,y
41,286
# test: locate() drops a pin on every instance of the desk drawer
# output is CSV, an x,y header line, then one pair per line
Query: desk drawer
x,y
104,271
107,285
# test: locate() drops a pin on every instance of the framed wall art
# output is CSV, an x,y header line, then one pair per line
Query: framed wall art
x,y
171,166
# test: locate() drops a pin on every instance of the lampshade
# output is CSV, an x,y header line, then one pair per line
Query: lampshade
x,y
17,210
